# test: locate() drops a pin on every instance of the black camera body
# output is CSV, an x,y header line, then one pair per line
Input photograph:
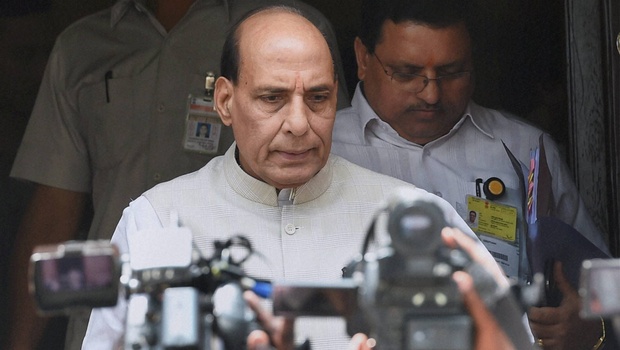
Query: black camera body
x,y
407,295
402,293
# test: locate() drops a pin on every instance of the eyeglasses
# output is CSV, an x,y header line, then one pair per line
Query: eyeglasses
x,y
417,82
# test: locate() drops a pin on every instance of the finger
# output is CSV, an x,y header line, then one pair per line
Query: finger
x,y
453,237
562,282
359,342
544,315
280,330
254,303
447,235
266,320
489,334
286,339
258,340
543,331
472,301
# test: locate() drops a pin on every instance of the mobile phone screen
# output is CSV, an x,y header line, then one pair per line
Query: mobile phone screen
x,y
290,299
600,287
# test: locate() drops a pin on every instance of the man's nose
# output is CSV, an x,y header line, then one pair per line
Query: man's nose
x,y
431,92
298,119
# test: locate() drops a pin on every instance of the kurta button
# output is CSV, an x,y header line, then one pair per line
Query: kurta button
x,y
157,177
161,107
290,229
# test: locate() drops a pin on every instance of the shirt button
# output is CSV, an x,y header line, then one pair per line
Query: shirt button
x,y
161,107
157,177
290,229
427,153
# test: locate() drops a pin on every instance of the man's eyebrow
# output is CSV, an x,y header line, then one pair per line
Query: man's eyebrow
x,y
270,90
319,88
279,90
403,65
413,67
456,64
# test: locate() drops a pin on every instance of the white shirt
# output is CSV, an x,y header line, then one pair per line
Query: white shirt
x,y
307,236
450,165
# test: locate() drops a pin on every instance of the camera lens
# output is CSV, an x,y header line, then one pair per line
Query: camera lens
x,y
415,227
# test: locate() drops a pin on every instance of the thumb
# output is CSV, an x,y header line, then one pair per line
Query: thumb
x,y
562,282
359,342
258,340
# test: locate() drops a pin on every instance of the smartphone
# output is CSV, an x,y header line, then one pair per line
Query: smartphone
x,y
599,288
74,274
293,299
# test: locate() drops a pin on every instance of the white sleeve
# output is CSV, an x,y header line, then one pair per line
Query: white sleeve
x,y
106,326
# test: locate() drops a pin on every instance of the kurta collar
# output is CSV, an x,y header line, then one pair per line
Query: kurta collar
x,y
261,192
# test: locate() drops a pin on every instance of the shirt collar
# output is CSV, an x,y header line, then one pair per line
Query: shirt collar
x,y
476,114
261,192
473,113
118,11
120,8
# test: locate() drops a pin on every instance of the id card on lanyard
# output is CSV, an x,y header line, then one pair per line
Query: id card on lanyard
x,y
203,126
495,224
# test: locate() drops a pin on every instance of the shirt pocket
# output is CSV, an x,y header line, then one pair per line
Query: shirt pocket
x,y
111,122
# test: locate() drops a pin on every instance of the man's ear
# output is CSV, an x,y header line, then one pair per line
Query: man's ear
x,y
223,99
361,56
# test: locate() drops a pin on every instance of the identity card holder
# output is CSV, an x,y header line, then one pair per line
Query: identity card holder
x,y
203,126
496,226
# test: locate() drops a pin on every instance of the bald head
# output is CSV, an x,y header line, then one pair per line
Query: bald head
x,y
266,26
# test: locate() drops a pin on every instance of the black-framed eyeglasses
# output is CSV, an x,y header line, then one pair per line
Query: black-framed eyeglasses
x,y
416,82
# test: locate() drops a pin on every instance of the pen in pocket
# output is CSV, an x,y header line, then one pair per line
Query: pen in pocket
x,y
108,76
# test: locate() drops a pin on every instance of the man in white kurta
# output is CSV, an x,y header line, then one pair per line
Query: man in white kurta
x,y
305,234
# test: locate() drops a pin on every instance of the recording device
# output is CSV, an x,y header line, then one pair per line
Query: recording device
x,y
84,274
599,289
402,294
194,306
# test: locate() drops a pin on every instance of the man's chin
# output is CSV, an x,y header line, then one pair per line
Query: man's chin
x,y
293,179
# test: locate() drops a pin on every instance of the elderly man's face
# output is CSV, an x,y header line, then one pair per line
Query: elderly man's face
x,y
283,106
406,48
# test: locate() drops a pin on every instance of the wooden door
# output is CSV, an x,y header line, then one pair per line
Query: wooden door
x,y
594,113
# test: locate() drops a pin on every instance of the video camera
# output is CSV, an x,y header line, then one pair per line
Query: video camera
x,y
193,306
406,293
599,289
402,293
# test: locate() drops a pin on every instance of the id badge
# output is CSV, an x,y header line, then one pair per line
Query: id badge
x,y
203,126
491,218
496,226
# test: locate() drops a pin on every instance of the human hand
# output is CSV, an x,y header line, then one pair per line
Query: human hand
x,y
454,238
361,341
489,334
561,327
278,331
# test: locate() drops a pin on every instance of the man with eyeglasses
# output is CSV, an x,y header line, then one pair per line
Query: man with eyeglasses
x,y
412,117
